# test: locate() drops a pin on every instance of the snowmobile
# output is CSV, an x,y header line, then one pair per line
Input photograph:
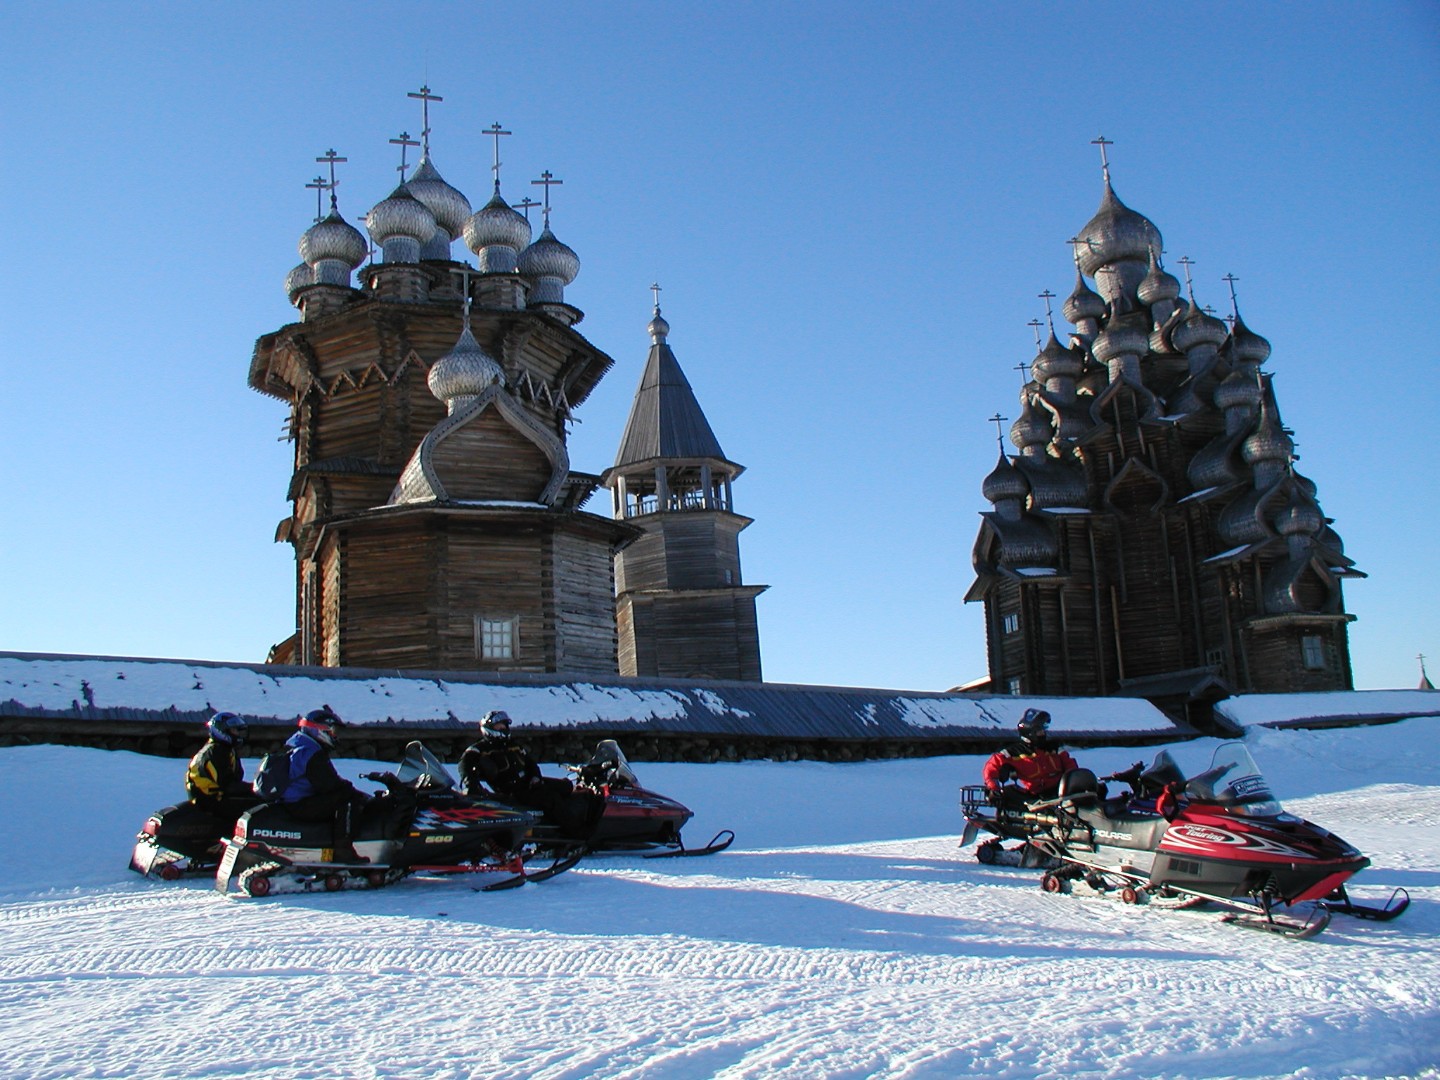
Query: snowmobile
x,y
420,825
1219,837
180,841
636,819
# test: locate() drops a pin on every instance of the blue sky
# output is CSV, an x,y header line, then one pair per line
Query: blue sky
x,y
851,208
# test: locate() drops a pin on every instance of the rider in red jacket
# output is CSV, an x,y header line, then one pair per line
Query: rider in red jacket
x,y
1032,761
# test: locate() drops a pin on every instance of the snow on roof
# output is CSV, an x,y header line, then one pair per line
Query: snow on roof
x,y
1268,710
112,688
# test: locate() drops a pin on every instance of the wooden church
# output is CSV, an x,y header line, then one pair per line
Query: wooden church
x,y
1152,536
436,521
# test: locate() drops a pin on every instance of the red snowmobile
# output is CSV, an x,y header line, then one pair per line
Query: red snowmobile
x,y
421,825
636,819
1219,837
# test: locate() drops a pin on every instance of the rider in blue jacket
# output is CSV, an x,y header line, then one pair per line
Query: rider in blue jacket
x,y
316,792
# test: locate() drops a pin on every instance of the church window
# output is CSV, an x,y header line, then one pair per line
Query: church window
x,y
1312,648
1010,623
1013,686
495,637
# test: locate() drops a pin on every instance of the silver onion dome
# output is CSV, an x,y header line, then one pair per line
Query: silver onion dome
x,y
496,223
1198,328
1055,361
297,279
1116,233
1238,390
449,207
658,328
1158,284
1301,518
548,257
1119,340
496,233
332,247
1083,303
400,225
466,370
1004,482
1248,346
1269,443
1033,428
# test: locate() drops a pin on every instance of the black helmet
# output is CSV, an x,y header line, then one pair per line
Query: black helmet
x,y
495,724
1033,724
226,727
322,725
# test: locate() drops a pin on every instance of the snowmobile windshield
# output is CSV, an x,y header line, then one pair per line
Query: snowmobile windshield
x,y
1235,782
1162,771
419,768
609,755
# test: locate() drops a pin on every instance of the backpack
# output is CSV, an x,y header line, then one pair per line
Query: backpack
x,y
273,775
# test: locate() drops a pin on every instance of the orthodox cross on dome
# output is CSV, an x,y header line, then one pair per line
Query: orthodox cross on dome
x,y
1024,369
1075,243
547,180
1034,325
404,142
526,204
319,185
495,131
1047,296
655,292
1103,142
425,98
332,159
997,420
1230,280
1188,262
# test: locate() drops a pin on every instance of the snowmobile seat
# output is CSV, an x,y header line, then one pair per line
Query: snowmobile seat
x,y
1080,787
270,823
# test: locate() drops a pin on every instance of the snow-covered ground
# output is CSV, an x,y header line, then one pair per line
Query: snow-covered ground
x,y
844,935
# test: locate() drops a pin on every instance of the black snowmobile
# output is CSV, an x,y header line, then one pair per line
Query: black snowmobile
x,y
421,825
180,841
1218,837
635,819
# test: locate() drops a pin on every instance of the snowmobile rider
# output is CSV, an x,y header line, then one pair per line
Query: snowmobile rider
x,y
502,766
316,792
1033,762
215,778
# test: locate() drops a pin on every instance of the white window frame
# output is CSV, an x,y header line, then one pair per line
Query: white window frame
x,y
497,637
1013,686
1010,623
1312,652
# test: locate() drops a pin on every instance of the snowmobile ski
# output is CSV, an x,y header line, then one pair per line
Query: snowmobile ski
x,y
719,842
1339,902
